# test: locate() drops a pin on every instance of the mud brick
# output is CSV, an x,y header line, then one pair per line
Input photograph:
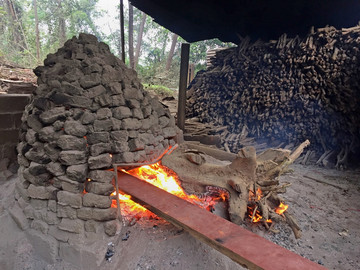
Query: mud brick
x,y
75,128
68,198
122,112
112,227
100,148
101,161
99,188
93,200
77,172
98,137
40,226
101,176
66,212
72,157
50,116
41,192
68,142
71,225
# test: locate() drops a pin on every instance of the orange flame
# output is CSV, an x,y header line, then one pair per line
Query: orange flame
x,y
165,179
281,208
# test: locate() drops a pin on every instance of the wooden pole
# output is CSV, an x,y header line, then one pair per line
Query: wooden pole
x,y
184,65
122,30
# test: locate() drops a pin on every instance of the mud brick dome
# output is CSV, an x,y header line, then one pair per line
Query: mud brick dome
x,y
88,111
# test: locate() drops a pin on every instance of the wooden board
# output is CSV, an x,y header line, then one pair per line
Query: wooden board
x,y
242,246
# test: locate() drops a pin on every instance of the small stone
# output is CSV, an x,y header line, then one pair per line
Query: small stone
x,y
52,151
40,226
31,136
117,100
116,124
101,161
126,157
77,172
71,89
103,125
121,135
98,137
136,145
65,211
88,118
116,88
36,168
50,116
169,132
41,192
48,134
68,142
72,157
131,123
99,188
93,226
103,113
99,148
120,147
122,112
101,176
95,91
104,100
34,123
133,103
112,227
75,128
87,213
58,125
163,121
52,206
132,93
89,81
137,113
38,155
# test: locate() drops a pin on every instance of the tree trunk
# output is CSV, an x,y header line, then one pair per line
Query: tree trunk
x,y
37,32
139,39
131,37
18,41
171,52
62,26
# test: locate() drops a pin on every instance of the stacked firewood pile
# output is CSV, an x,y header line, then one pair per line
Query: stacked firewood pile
x,y
287,90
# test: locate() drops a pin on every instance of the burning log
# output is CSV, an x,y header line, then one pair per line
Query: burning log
x,y
252,187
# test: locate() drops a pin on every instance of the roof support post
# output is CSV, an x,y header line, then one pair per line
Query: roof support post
x,y
184,65
122,30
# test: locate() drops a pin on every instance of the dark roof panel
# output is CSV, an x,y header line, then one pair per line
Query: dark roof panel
x,y
205,19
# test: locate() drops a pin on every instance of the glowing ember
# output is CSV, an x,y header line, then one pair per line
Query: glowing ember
x,y
165,179
253,212
281,208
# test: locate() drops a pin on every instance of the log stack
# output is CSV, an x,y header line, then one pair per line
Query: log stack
x,y
287,90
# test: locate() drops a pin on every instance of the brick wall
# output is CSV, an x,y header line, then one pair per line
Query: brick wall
x,y
11,110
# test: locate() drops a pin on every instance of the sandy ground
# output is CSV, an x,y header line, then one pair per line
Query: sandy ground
x,y
328,215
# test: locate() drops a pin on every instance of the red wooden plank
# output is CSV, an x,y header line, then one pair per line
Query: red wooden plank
x,y
242,246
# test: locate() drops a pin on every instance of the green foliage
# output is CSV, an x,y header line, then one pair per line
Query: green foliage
x,y
159,89
18,39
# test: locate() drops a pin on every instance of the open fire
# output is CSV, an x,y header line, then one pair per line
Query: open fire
x,y
255,205
165,179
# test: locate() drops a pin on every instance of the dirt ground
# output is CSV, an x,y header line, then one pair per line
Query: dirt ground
x,y
328,216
